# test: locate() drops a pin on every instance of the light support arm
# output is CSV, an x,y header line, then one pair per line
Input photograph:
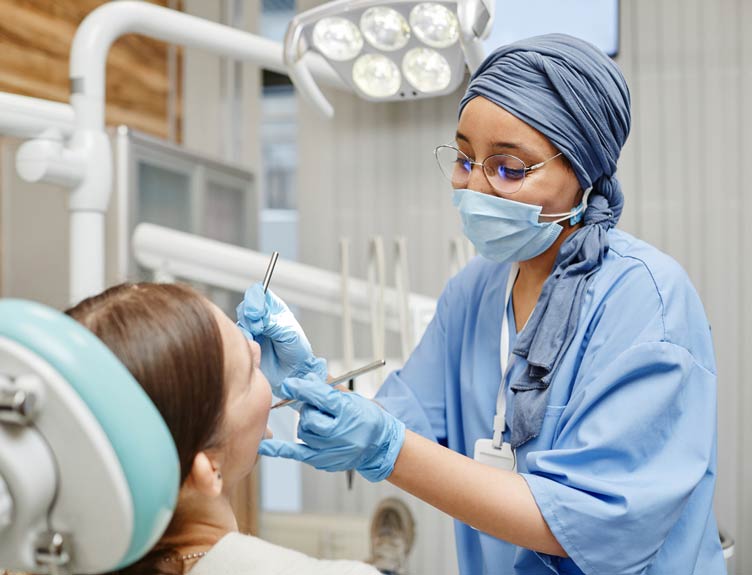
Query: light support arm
x,y
476,19
91,45
102,27
300,75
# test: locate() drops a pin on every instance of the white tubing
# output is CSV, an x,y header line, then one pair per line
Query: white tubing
x,y
348,340
402,285
376,291
26,117
303,80
190,257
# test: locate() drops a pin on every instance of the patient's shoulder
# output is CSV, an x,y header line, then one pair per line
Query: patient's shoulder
x,y
236,553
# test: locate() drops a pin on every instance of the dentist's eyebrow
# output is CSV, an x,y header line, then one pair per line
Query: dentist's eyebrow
x,y
497,145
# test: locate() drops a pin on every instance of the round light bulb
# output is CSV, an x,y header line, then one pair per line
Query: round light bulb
x,y
434,24
376,76
385,28
426,69
337,38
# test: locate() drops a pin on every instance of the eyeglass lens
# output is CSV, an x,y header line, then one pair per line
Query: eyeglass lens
x,y
505,173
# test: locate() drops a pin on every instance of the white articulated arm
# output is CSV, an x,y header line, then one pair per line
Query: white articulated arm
x,y
91,45
107,23
476,19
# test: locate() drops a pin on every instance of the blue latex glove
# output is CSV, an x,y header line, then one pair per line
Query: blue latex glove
x,y
341,430
285,349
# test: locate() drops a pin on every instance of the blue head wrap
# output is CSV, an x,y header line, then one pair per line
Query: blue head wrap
x,y
575,95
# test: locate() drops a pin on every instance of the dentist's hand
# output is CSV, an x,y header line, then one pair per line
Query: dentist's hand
x,y
285,349
341,430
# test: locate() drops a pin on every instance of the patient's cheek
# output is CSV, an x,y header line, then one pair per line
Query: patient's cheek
x,y
268,434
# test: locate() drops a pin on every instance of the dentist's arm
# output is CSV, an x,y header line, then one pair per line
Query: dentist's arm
x,y
494,501
346,431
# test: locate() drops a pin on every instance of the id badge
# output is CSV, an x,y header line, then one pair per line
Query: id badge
x,y
487,454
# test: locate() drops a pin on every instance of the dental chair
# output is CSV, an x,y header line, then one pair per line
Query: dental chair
x,y
89,474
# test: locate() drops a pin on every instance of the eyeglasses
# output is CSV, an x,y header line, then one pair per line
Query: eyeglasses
x,y
505,173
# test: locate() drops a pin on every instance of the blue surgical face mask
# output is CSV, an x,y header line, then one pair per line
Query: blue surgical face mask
x,y
506,231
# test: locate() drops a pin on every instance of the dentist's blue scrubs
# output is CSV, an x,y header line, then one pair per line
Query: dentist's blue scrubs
x,y
624,467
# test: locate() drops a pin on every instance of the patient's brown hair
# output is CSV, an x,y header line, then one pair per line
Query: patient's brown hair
x,y
167,337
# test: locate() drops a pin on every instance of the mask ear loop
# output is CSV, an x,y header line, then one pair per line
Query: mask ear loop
x,y
575,215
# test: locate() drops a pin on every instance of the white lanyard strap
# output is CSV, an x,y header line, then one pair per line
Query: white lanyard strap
x,y
499,424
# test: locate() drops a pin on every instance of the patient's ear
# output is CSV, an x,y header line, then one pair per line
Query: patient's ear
x,y
205,476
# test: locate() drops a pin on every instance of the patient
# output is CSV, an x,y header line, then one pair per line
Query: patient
x,y
203,376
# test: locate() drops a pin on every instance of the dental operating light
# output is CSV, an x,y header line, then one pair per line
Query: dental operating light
x,y
385,28
389,50
337,38
435,24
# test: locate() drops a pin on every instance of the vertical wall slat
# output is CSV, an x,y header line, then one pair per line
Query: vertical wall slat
x,y
719,197
743,532
673,142
647,117
693,97
627,170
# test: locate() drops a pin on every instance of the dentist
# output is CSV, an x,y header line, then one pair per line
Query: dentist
x,y
561,406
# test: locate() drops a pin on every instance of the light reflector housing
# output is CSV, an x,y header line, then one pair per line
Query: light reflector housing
x,y
434,24
427,70
387,50
337,38
385,28
376,76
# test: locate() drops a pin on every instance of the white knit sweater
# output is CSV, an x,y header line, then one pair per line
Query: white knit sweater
x,y
237,554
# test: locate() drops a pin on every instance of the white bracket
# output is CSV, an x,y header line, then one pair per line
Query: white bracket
x,y
46,159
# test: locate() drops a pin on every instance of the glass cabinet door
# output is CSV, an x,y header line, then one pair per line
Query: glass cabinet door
x,y
164,197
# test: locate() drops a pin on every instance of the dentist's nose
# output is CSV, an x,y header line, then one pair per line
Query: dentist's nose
x,y
478,182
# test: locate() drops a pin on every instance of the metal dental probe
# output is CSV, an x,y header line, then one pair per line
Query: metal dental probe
x,y
350,473
341,379
270,270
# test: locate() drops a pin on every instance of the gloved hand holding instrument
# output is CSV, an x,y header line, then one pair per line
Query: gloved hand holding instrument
x,y
341,431
286,354
285,349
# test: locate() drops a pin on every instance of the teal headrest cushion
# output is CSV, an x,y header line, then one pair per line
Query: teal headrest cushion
x,y
134,427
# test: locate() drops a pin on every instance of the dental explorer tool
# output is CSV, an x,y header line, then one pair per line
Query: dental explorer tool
x,y
270,270
350,473
341,379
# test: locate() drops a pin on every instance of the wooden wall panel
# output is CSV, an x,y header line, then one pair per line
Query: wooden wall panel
x,y
35,42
